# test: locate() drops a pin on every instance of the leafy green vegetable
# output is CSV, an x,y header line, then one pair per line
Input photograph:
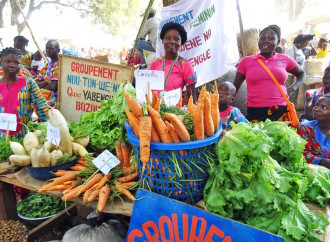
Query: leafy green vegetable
x,y
65,158
105,125
248,185
38,205
5,150
38,126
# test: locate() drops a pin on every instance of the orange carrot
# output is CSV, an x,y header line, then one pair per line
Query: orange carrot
x,y
104,180
87,194
179,104
145,137
160,126
129,170
154,135
173,133
215,113
82,161
191,106
126,150
154,98
128,100
157,105
136,108
69,195
125,192
94,194
128,184
59,187
148,99
95,179
63,172
134,122
78,167
208,122
103,198
178,126
199,121
162,101
119,153
58,181
128,178
202,94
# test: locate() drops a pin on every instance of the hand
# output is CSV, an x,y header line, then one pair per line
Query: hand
x,y
290,90
325,162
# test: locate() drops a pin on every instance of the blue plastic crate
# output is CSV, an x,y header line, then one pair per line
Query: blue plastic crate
x,y
161,175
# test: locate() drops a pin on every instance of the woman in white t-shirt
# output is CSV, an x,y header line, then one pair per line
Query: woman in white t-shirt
x,y
300,42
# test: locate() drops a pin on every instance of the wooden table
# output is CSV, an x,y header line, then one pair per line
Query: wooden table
x,y
8,200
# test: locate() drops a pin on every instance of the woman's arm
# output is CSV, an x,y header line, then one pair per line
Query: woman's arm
x,y
325,162
300,75
39,101
239,79
191,90
309,107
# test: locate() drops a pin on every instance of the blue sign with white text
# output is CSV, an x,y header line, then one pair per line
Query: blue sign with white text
x,y
158,218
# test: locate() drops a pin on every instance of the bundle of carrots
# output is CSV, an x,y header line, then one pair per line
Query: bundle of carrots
x,y
97,185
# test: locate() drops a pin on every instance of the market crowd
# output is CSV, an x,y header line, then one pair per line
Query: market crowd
x,y
28,85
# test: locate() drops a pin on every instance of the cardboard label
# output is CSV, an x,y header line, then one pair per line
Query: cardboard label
x,y
53,135
106,161
8,121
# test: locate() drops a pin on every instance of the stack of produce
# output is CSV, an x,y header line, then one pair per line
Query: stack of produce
x,y
247,184
12,231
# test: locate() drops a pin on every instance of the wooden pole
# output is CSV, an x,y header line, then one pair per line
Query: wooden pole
x,y
241,28
146,14
27,24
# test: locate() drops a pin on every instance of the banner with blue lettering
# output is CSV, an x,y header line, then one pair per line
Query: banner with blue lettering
x,y
211,46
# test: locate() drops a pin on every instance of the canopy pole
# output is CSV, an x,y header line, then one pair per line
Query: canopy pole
x,y
27,24
241,28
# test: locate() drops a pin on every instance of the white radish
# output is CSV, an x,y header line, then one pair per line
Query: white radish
x,y
38,133
49,146
17,148
30,141
43,157
20,160
57,120
84,141
78,149
34,160
54,155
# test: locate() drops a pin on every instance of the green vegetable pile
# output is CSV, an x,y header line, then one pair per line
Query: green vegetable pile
x,y
38,205
5,150
105,125
259,178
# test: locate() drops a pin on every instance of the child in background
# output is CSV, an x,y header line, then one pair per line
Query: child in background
x,y
37,64
228,113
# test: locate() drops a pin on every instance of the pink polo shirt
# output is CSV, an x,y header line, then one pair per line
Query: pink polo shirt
x,y
261,89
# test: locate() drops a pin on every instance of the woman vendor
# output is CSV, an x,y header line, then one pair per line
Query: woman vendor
x,y
178,71
317,134
264,100
314,94
17,93
20,42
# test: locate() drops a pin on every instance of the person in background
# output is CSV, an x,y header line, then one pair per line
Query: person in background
x,y
48,76
20,42
150,30
228,113
314,94
264,100
17,93
178,71
317,133
300,42
322,49
279,49
37,64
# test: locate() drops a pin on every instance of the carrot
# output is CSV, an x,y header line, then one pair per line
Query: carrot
x,y
128,184
119,153
127,178
69,195
148,99
125,192
215,113
208,122
179,104
160,126
129,170
199,120
154,98
59,187
178,126
78,167
133,121
58,181
191,106
95,179
145,137
87,194
154,135
133,105
74,183
63,172
103,198
173,133
157,105
128,100
202,94
104,180
93,195
82,161
126,150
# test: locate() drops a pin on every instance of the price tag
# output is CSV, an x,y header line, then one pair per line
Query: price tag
x,y
8,119
106,161
171,98
53,135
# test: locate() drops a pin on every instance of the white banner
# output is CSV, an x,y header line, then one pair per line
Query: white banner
x,y
211,46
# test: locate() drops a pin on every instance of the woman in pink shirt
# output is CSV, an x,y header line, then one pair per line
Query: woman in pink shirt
x,y
264,100
178,71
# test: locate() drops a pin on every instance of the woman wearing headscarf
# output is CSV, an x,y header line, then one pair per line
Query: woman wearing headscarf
x,y
20,42
178,71
296,51
264,100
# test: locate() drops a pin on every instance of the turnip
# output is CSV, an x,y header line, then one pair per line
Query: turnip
x,y
30,141
41,138
43,157
54,155
49,146
17,148
34,160
57,120
78,149
84,141
20,160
